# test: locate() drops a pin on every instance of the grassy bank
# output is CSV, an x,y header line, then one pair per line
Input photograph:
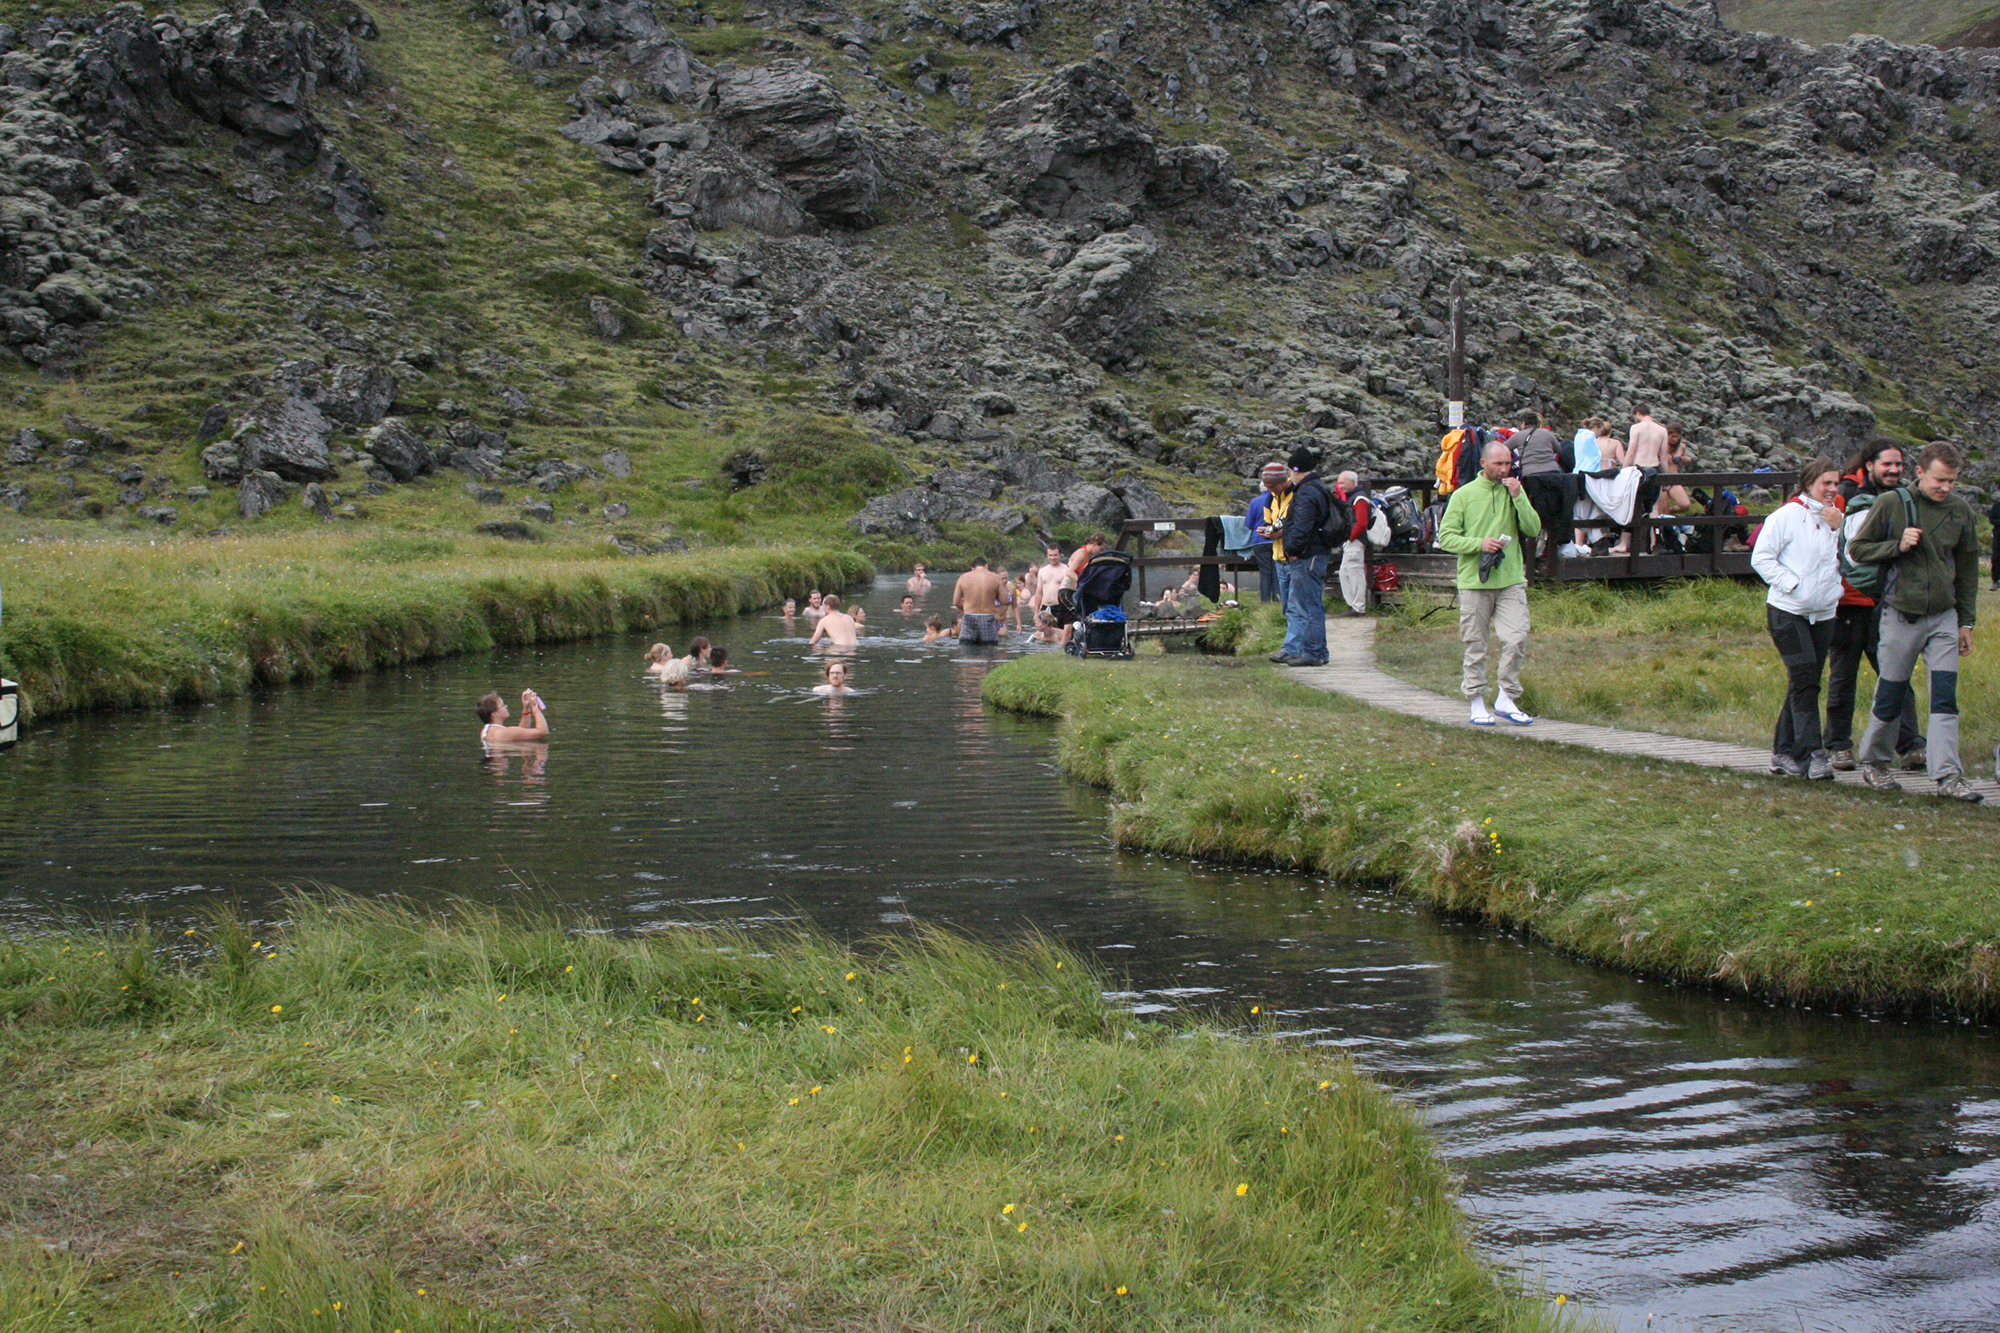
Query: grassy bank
x,y
1688,659
371,1121
111,625
1791,892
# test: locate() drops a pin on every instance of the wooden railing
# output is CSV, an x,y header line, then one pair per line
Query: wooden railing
x,y
1648,557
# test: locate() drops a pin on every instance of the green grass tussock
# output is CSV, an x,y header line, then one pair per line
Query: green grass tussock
x,y
1689,658
93,625
1788,892
366,1119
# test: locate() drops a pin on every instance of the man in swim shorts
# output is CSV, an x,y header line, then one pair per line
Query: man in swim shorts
x,y
977,597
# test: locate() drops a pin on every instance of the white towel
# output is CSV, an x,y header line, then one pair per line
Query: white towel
x,y
1610,497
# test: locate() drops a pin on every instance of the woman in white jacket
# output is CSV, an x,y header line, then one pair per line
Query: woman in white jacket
x,y
1797,554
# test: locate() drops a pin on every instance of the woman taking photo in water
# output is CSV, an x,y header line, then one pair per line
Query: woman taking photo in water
x,y
493,728
1796,554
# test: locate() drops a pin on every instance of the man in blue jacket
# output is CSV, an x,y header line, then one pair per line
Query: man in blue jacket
x,y
1487,523
1305,557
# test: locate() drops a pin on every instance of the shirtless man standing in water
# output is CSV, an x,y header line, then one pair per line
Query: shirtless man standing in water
x,y
1052,578
977,597
836,626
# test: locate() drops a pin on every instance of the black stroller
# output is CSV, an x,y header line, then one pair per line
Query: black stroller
x,y
1096,607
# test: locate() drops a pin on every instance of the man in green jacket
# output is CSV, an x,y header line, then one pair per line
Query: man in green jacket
x,y
1486,525
1930,591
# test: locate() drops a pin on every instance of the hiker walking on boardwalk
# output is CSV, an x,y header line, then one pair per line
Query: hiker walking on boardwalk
x,y
1857,623
1487,525
1796,554
1929,540
1305,555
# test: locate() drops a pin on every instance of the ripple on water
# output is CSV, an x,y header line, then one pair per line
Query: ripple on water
x,y
1647,1151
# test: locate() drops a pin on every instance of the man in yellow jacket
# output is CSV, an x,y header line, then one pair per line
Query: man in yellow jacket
x,y
1486,524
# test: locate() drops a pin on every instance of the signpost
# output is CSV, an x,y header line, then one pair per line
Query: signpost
x,y
1454,372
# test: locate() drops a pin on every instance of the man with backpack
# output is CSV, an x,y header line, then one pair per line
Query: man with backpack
x,y
1929,540
1487,525
1857,621
1316,521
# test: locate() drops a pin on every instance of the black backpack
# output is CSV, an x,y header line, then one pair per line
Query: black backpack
x,y
1337,527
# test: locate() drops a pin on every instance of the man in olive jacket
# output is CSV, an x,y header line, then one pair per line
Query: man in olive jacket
x,y
1929,602
1490,521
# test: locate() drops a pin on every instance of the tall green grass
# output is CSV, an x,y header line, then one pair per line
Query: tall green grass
x,y
371,1120
93,625
1793,892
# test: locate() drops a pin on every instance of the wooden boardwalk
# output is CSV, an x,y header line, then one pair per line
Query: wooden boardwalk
x,y
1351,670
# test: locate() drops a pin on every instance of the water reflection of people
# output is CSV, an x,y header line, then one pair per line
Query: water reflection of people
x,y
836,678
493,716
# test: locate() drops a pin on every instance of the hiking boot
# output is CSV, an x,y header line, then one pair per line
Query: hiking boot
x,y
1959,790
1843,761
1280,658
1913,761
1820,769
1785,766
1876,777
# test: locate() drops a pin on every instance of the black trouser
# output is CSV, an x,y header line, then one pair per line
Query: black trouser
x,y
1267,572
1802,645
1996,555
1856,631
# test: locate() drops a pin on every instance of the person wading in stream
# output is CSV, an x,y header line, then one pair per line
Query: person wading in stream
x,y
493,728
977,596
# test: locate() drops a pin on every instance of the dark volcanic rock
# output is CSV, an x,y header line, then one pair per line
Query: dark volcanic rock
x,y
288,437
1099,300
1073,145
398,450
259,492
792,120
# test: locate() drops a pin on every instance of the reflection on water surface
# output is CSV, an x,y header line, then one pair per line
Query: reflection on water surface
x,y
1715,1164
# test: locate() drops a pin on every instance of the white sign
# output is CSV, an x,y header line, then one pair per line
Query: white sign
x,y
1163,527
1454,415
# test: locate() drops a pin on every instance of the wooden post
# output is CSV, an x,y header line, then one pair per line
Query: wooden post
x,y
1454,376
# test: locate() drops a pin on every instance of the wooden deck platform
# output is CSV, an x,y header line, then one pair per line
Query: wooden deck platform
x,y
1649,560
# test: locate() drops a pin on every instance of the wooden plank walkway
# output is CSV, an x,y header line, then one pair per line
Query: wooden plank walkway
x,y
1351,670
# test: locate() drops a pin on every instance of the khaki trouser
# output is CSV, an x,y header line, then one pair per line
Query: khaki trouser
x,y
1500,611
1354,575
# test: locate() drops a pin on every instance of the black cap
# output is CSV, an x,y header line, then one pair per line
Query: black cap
x,y
1302,460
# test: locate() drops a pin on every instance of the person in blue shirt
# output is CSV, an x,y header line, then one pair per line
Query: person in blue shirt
x,y
1270,574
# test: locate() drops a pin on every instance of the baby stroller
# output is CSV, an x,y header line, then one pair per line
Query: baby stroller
x,y
1098,603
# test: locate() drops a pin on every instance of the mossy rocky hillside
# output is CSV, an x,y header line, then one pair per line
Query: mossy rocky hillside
x,y
1068,263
